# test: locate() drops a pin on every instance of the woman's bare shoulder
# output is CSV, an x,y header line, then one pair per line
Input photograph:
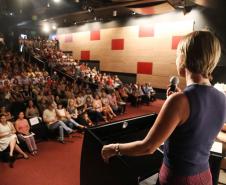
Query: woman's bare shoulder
x,y
178,97
179,103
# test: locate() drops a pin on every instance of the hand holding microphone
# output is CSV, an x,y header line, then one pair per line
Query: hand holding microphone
x,y
173,86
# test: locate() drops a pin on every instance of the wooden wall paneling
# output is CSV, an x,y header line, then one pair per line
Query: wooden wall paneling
x,y
119,64
155,49
162,69
157,81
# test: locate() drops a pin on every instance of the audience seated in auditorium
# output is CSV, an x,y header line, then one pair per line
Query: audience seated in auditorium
x,y
53,122
65,116
8,139
90,114
98,109
135,95
107,110
31,110
24,134
6,113
114,103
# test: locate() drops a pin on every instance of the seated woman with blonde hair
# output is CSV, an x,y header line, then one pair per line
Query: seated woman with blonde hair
x,y
23,128
66,117
8,138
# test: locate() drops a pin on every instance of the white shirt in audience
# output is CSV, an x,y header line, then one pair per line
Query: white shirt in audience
x,y
49,116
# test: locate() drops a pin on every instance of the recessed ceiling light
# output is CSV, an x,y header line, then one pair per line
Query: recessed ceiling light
x,y
54,27
46,28
56,1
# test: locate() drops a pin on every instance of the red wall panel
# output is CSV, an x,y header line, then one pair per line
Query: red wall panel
x,y
95,35
85,55
144,68
175,41
117,44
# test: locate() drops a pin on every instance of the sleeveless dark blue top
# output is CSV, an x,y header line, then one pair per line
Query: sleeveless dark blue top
x,y
187,150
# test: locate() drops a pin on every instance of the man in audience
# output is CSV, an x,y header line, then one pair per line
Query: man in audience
x,y
53,123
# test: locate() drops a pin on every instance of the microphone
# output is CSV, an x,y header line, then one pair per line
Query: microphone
x,y
174,81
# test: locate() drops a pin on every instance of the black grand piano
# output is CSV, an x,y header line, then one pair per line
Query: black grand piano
x,y
124,170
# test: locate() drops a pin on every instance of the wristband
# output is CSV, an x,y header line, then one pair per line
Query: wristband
x,y
117,150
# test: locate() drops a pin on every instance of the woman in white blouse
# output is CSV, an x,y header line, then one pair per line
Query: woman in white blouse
x,y
8,138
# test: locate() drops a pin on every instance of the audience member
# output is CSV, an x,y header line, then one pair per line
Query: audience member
x,y
31,110
8,138
23,129
53,122
66,117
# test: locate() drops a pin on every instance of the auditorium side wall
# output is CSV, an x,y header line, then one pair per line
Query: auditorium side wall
x,y
142,46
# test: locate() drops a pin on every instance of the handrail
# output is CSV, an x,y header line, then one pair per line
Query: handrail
x,y
45,63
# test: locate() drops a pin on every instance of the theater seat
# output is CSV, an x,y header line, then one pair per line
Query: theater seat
x,y
38,128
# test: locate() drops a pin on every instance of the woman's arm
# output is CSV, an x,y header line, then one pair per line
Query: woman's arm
x,y
58,114
16,127
13,130
28,126
222,135
224,127
4,134
174,112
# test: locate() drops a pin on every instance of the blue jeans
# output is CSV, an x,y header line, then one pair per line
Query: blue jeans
x,y
71,123
61,126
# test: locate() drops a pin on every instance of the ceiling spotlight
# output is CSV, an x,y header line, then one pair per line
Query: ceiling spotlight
x,y
11,13
75,23
54,27
77,1
46,28
48,5
56,1
115,13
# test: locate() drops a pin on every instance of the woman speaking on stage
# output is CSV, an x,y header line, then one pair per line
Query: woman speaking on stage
x,y
189,121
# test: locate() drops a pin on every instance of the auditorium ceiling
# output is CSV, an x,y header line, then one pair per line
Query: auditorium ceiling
x,y
25,13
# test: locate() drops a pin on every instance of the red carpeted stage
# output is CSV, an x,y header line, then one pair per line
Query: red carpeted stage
x,y
59,164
